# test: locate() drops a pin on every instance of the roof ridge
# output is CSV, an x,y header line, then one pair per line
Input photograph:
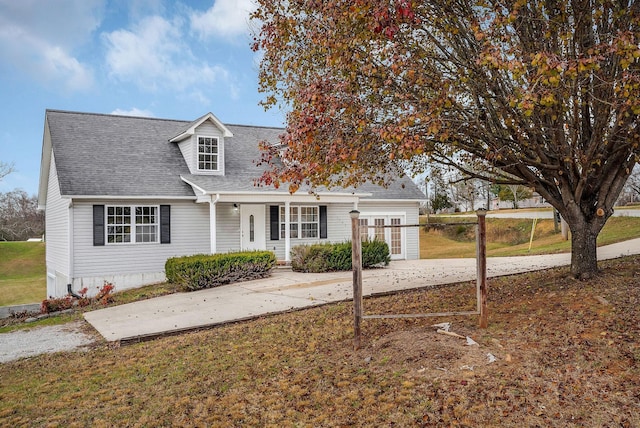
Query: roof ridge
x,y
84,113
256,126
183,121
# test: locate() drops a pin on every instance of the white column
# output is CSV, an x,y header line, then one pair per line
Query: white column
x,y
213,222
287,234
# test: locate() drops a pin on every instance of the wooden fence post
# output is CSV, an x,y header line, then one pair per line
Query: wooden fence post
x,y
356,264
481,257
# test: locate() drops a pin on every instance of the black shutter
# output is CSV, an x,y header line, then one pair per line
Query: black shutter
x,y
165,224
274,220
98,225
323,222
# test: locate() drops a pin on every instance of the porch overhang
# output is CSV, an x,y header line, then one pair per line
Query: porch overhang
x,y
267,197
273,196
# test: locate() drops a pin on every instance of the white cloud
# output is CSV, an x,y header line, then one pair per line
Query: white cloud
x,y
59,64
133,112
226,18
39,38
144,55
154,56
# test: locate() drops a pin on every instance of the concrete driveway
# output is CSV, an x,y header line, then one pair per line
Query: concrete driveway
x,y
286,290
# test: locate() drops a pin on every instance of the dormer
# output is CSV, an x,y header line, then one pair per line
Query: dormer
x,y
202,145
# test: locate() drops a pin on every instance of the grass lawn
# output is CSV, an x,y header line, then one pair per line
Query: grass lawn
x,y
567,355
22,273
510,237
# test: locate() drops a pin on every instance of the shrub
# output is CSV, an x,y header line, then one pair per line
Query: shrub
x,y
337,257
212,270
83,300
374,253
104,294
52,304
56,304
311,258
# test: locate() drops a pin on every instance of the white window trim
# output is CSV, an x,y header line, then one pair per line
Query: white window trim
x,y
299,222
132,225
218,154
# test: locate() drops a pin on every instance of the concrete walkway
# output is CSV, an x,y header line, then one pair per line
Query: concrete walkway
x,y
286,290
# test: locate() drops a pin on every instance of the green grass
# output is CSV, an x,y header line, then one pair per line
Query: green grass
x,y
22,273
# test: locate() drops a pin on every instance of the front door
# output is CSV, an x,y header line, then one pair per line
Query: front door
x,y
253,227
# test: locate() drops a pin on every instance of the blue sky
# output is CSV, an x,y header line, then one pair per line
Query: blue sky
x,y
166,59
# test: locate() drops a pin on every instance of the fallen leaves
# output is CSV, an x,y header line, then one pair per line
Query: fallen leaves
x,y
300,368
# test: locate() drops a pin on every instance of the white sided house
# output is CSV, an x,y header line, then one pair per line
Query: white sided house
x,y
123,194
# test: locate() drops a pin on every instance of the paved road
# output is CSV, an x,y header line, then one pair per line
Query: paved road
x,y
618,212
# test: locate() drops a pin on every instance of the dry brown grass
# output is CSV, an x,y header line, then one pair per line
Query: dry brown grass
x,y
510,237
568,355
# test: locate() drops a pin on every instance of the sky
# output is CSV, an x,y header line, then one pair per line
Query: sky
x,y
154,58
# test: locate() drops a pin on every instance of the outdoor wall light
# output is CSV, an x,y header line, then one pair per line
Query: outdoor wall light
x,y
235,207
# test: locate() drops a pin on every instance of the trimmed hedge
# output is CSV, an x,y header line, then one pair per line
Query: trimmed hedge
x,y
212,270
337,257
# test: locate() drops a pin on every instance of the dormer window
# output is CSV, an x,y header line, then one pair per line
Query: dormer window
x,y
208,153
202,145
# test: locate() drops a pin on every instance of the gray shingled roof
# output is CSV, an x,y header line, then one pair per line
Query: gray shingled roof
x,y
98,154
108,155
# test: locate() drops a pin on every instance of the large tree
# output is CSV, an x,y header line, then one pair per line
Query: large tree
x,y
539,93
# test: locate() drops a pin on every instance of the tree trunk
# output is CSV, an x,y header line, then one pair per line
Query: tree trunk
x,y
584,257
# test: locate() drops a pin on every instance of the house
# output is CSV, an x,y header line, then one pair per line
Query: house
x,y
123,194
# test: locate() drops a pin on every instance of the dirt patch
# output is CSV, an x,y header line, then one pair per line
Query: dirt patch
x,y
41,340
425,352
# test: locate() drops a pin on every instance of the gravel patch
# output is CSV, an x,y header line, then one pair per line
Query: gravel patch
x,y
41,340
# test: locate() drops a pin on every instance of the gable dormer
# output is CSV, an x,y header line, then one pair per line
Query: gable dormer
x,y
202,144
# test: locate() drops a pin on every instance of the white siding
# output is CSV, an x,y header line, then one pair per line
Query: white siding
x,y
186,147
129,265
209,129
228,228
56,236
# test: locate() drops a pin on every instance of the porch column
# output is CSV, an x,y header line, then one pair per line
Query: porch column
x,y
213,222
287,233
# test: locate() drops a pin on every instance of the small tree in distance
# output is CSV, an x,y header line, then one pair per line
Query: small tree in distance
x,y
534,93
5,169
20,218
512,192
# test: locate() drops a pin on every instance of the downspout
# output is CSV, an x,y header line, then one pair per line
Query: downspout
x,y
213,222
71,293
70,255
